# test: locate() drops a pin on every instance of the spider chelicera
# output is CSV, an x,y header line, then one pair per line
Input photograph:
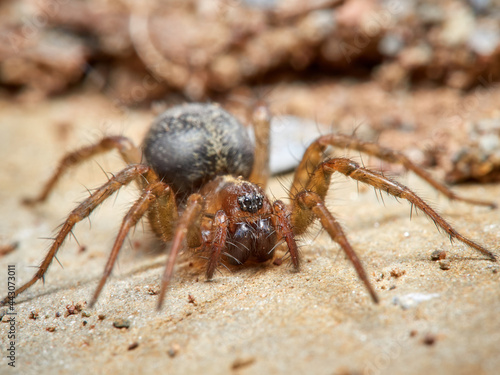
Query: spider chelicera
x,y
202,184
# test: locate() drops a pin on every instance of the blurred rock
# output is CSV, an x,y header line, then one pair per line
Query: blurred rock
x,y
479,160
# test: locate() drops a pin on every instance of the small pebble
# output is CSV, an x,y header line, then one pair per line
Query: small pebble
x,y
435,255
396,272
438,255
278,261
429,339
445,264
132,346
153,291
73,309
412,299
121,323
242,362
174,349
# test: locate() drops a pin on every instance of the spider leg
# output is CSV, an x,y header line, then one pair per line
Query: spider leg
x,y
316,149
218,244
149,196
126,148
311,202
186,227
162,216
284,228
83,210
321,178
261,120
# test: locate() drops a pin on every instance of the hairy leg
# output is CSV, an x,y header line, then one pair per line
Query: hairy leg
x,y
218,242
308,204
320,180
314,153
83,210
186,228
163,215
150,194
261,119
307,201
127,150
281,221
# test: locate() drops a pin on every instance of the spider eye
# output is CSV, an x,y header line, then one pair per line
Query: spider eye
x,y
259,200
251,202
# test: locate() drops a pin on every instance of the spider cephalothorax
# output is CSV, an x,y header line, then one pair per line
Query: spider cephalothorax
x,y
202,185
250,217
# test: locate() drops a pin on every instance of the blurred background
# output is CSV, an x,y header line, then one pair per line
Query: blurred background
x,y
420,76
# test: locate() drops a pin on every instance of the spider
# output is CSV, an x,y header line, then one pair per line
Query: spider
x,y
202,184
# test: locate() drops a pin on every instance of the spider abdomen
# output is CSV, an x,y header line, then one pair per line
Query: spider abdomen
x,y
189,145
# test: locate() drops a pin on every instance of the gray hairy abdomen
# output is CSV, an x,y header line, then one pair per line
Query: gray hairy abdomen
x,y
191,144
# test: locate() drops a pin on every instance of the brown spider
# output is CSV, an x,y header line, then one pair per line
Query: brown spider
x,y
203,183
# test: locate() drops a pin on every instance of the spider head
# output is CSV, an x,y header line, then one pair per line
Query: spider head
x,y
238,198
250,232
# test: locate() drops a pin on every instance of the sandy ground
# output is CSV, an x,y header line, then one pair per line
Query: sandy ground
x,y
260,319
